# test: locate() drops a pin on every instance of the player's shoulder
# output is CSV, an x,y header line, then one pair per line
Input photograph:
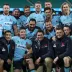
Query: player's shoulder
x,y
15,37
28,41
37,28
22,17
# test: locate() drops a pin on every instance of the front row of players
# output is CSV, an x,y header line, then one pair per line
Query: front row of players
x,y
35,54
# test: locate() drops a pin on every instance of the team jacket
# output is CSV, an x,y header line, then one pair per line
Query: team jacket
x,y
42,49
6,49
62,47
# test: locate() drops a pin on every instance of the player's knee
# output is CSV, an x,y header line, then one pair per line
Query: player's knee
x,y
48,60
17,70
4,71
66,61
1,62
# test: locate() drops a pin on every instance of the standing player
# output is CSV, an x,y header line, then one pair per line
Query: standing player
x,y
38,15
54,18
7,20
49,4
66,17
49,30
24,17
16,14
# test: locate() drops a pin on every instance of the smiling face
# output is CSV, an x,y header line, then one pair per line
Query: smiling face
x,y
59,33
67,31
8,36
48,26
65,8
38,7
16,13
22,33
40,36
27,11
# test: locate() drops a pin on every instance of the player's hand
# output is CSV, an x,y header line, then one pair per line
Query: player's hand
x,y
26,56
9,61
38,61
54,38
55,60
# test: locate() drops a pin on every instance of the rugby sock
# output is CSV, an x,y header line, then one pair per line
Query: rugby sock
x,y
33,70
67,69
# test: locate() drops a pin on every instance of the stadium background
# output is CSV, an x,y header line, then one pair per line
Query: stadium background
x,y
21,3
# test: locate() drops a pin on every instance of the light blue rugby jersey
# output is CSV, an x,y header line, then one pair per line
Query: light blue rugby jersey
x,y
66,19
23,19
8,21
31,34
55,20
18,23
50,34
1,28
20,47
39,19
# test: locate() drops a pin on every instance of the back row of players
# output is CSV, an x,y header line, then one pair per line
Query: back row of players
x,y
13,23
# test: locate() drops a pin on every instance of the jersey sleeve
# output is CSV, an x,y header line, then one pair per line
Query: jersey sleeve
x,y
14,20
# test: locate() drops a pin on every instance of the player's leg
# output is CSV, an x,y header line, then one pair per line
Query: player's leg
x,y
30,65
7,67
48,64
67,61
1,65
17,65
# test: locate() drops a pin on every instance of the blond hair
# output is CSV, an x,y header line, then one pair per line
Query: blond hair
x,y
65,3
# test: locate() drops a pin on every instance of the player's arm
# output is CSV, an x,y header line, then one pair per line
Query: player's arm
x,y
11,51
15,30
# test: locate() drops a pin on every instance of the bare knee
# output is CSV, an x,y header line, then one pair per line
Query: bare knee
x,y
1,63
17,70
67,61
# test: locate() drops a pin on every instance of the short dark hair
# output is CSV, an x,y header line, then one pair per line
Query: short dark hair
x,y
59,27
26,6
22,28
67,26
8,31
47,8
41,31
6,4
32,20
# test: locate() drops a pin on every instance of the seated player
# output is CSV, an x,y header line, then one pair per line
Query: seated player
x,y
62,49
42,52
7,53
20,49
